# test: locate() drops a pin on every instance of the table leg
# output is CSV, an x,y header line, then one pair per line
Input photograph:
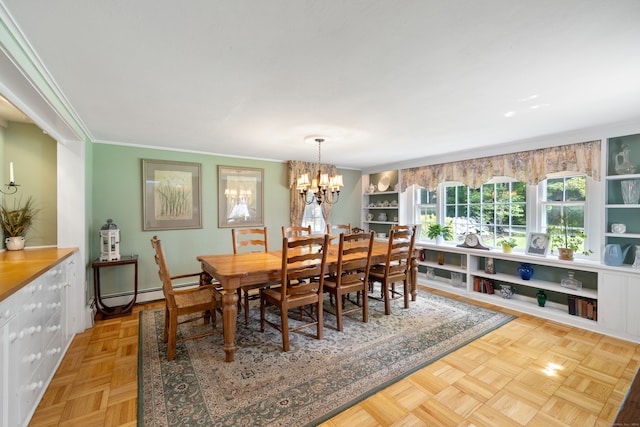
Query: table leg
x,y
414,279
229,313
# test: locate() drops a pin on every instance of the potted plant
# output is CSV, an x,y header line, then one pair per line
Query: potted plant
x,y
567,239
439,232
16,221
508,243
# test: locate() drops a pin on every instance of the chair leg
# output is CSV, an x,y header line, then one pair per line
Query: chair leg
x,y
365,307
406,294
387,303
173,335
319,318
262,306
284,324
165,333
246,307
339,307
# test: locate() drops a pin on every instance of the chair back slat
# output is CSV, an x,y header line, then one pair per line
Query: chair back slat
x,y
354,257
163,271
295,231
253,238
400,249
303,264
339,228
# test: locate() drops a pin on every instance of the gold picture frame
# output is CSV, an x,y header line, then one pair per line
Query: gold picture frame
x,y
172,195
240,196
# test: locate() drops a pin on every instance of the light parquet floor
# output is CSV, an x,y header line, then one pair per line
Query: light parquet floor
x,y
529,372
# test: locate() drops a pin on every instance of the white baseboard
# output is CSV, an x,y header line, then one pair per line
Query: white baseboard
x,y
90,315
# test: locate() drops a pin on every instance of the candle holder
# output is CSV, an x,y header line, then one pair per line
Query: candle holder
x,y
11,185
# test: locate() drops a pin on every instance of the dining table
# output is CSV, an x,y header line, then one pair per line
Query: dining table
x,y
235,271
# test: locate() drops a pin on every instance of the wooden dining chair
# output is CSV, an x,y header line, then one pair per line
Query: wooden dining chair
x,y
352,275
255,239
250,240
339,228
397,268
295,231
179,302
303,270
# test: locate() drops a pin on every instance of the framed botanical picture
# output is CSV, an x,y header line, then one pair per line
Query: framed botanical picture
x,y
537,244
172,195
240,197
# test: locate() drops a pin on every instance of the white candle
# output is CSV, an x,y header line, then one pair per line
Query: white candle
x,y
11,180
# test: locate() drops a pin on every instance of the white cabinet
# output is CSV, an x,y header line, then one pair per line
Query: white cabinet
x,y
606,303
34,339
619,303
6,316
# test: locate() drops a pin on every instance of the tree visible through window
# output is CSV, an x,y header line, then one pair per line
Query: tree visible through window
x,y
565,198
493,211
426,210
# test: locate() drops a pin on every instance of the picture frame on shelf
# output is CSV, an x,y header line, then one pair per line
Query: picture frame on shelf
x,y
537,244
489,267
240,196
172,195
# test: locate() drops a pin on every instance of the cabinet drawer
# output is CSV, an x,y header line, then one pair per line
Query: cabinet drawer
x,y
29,393
52,354
52,329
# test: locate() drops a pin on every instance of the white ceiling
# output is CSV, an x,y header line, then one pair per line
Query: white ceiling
x,y
385,81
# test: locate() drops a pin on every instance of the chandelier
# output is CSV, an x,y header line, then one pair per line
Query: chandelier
x,y
324,189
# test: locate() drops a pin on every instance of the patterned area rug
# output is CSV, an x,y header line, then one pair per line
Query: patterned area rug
x,y
317,379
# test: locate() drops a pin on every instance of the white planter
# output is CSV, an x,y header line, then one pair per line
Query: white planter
x,y
14,243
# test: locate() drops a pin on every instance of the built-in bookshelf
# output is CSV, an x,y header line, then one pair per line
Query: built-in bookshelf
x,y
623,210
483,275
380,202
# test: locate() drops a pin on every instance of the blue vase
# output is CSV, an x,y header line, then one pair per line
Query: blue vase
x,y
525,270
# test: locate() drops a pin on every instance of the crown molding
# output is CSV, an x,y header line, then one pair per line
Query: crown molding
x,y
26,83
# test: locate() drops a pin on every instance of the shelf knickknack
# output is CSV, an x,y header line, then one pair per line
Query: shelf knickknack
x,y
567,238
16,220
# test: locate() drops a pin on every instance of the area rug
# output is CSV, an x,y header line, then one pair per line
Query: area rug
x,y
317,379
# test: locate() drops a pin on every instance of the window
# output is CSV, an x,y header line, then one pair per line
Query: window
x,y
494,211
505,208
426,210
313,217
564,197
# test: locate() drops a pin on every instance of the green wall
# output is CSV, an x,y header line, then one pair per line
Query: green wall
x,y
116,193
34,155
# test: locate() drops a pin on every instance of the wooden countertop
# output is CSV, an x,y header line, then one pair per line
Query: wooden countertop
x,y
19,268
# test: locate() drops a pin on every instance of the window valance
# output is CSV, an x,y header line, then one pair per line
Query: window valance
x,y
297,205
297,168
530,167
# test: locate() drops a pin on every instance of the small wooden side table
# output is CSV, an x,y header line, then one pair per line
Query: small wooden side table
x,y
104,310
